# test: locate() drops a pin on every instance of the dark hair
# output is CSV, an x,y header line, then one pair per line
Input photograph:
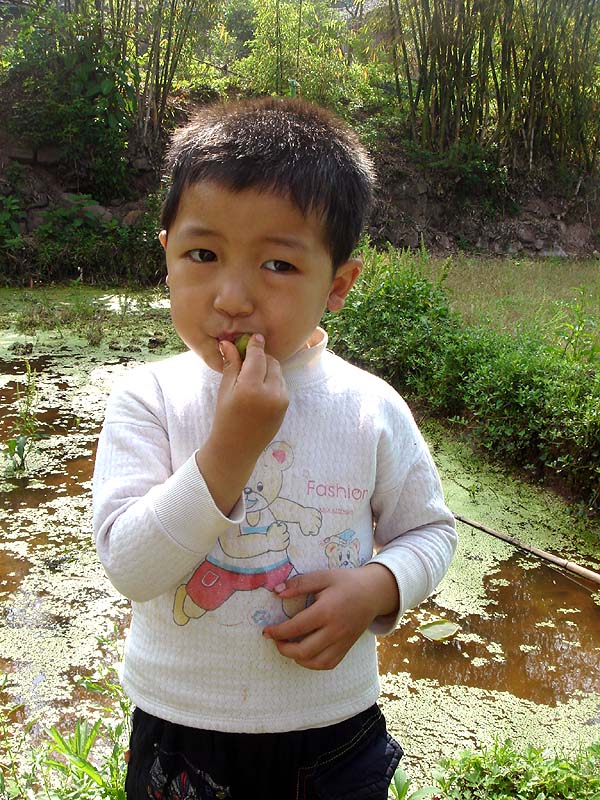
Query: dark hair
x,y
286,146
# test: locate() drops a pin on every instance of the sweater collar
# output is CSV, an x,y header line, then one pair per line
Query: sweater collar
x,y
307,365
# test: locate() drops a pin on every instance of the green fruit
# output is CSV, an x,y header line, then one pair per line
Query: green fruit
x,y
242,343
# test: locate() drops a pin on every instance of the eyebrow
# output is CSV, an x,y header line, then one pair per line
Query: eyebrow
x,y
197,230
287,241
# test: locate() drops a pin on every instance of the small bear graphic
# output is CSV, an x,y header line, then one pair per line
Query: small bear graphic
x,y
343,550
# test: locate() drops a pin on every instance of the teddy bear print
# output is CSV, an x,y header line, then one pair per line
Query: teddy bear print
x,y
255,555
343,550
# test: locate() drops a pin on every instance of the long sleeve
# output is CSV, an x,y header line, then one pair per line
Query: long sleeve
x,y
153,522
415,534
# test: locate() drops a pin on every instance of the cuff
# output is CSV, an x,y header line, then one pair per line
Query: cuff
x,y
186,510
409,575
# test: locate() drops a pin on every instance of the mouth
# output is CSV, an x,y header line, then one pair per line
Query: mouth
x,y
231,336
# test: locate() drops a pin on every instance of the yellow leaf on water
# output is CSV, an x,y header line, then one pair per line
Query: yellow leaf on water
x,y
439,629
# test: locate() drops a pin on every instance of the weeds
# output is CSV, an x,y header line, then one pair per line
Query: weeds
x,y
87,764
27,425
40,313
576,330
401,784
501,772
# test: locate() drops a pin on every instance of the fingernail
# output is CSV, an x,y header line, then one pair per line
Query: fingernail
x,y
281,587
221,350
266,635
258,337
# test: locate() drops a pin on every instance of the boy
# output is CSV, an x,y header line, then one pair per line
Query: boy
x,y
237,502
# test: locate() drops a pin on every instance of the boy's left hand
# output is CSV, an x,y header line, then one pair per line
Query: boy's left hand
x,y
346,601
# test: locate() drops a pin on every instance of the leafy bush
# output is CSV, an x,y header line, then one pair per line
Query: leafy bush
x,y
75,242
503,773
11,214
66,87
466,167
520,399
394,320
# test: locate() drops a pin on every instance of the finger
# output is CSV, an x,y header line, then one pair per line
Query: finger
x,y
302,624
308,583
317,654
274,373
231,359
255,351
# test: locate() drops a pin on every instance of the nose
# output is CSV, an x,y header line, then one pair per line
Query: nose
x,y
233,296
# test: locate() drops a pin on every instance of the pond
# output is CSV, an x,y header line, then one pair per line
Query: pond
x,y
524,664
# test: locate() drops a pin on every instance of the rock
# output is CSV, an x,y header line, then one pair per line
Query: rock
x,y
526,235
411,239
578,235
142,164
132,217
20,152
98,211
512,248
443,241
39,200
49,154
556,251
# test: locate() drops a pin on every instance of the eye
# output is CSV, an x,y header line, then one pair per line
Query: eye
x,y
259,486
274,265
201,256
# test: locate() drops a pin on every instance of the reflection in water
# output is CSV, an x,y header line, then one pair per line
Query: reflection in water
x,y
540,640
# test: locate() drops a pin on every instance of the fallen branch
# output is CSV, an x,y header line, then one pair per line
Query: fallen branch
x,y
589,574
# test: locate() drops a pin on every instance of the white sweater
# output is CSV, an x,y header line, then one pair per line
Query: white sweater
x,y
348,454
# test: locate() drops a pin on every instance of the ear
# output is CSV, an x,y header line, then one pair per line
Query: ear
x,y
162,238
344,280
280,453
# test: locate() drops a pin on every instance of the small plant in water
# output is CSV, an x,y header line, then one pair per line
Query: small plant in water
x,y
88,764
401,784
26,429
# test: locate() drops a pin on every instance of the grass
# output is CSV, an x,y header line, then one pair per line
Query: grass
x,y
509,294
86,763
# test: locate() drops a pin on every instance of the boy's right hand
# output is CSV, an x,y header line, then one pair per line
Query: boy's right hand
x,y
251,404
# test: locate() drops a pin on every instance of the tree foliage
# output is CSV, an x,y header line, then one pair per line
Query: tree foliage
x,y
514,80
521,75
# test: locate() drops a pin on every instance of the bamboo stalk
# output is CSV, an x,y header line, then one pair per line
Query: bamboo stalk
x,y
570,566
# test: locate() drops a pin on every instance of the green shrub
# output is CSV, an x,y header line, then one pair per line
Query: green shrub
x,y
519,398
502,773
76,243
66,86
466,169
394,319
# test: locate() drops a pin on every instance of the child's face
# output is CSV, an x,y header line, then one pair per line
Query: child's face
x,y
248,262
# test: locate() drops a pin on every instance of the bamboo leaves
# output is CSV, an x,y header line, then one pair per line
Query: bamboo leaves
x,y
519,75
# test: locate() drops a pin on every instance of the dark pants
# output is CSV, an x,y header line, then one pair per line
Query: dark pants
x,y
353,760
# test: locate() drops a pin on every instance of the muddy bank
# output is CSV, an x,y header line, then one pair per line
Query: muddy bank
x,y
524,663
